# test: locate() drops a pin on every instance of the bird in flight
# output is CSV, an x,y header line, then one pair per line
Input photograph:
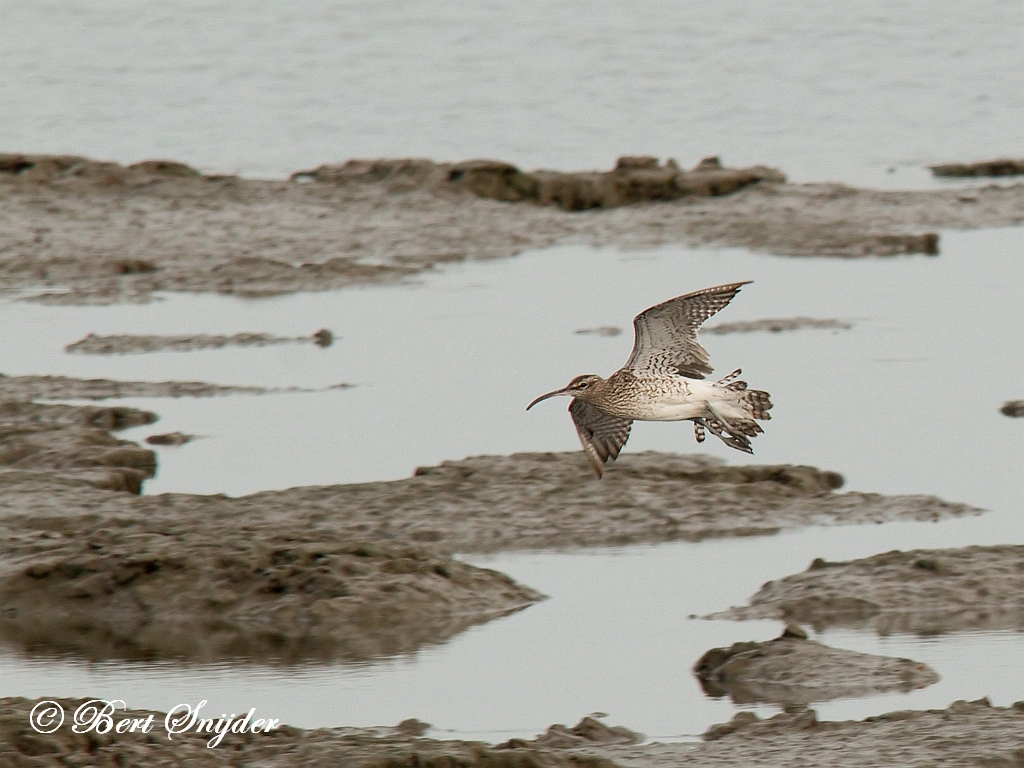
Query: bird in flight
x,y
663,380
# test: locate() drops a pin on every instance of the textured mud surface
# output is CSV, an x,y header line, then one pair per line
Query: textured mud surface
x,y
41,442
792,670
349,571
103,586
89,569
76,231
24,388
965,734
125,344
1003,167
922,591
86,569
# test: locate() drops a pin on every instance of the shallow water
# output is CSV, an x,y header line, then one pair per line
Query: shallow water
x,y
904,402
907,401
614,636
866,92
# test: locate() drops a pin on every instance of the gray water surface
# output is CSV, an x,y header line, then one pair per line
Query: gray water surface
x,y
906,401
866,93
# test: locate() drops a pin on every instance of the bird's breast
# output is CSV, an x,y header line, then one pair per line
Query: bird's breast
x,y
655,399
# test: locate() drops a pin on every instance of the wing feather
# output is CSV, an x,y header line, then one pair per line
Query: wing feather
x,y
601,434
666,334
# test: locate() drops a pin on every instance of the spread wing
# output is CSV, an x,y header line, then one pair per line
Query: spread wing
x,y
601,434
666,334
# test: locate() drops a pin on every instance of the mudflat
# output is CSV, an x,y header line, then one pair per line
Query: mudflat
x,y
925,591
89,567
78,231
350,571
966,733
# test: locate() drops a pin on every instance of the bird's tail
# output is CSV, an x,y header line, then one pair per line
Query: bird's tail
x,y
734,425
735,434
756,401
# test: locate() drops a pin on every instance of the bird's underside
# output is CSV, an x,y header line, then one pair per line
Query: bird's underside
x,y
663,380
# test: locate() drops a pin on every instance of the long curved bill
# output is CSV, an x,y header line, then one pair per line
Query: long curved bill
x,y
556,393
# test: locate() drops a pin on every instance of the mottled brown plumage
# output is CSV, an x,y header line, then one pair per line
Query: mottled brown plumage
x,y
663,380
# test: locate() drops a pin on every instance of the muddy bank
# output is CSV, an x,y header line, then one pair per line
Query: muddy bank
x,y
493,503
88,569
84,569
103,586
40,443
127,344
25,388
349,571
922,591
76,231
282,746
1001,167
792,670
778,324
965,734
637,179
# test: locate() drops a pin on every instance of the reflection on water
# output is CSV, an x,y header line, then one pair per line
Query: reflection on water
x,y
907,400
615,636
865,92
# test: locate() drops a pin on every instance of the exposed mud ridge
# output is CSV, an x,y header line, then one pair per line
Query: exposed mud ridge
x,y
1001,167
285,746
1013,408
113,587
586,732
922,591
127,344
775,325
40,442
77,231
25,388
348,571
87,571
792,670
965,734
637,179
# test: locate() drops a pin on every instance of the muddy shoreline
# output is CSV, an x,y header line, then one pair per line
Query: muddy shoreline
x,y
83,232
363,572
794,671
966,733
87,566
926,591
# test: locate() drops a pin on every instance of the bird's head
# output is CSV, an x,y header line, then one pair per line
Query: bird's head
x,y
582,387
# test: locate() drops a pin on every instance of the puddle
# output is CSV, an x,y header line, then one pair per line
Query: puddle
x,y
907,401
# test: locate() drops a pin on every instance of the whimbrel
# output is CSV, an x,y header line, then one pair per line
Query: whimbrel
x,y
663,380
